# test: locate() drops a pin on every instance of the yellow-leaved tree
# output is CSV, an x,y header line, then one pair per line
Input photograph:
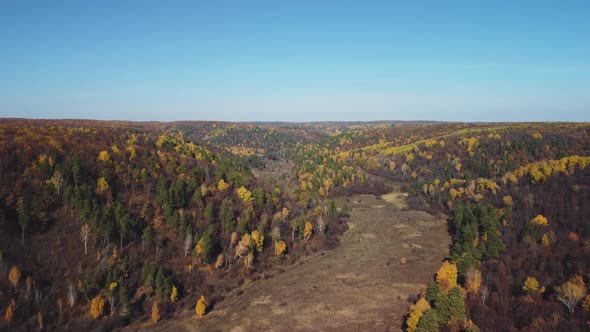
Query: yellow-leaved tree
x,y
201,306
222,185
416,312
104,156
174,294
258,240
308,230
545,240
571,292
245,195
446,277
96,307
531,286
102,186
280,248
540,221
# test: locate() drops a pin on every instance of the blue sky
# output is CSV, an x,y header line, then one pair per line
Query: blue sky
x,y
296,60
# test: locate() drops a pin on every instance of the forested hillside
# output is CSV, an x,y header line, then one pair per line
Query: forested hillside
x,y
103,224
131,220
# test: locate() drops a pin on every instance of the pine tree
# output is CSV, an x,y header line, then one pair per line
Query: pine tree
x,y
428,321
434,294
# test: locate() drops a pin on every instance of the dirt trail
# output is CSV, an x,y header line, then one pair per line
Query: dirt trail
x,y
359,286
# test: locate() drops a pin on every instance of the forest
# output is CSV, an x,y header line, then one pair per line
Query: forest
x,y
106,224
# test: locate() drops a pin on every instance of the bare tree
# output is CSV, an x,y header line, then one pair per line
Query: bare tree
x,y
483,292
57,181
84,235
249,260
71,294
60,308
570,293
112,301
321,225
188,243
232,244
241,250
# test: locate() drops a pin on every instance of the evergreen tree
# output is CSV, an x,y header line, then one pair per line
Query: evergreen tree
x,y
210,213
434,293
428,322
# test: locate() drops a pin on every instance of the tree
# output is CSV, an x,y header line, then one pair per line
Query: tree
x,y
428,322
24,219
210,212
280,248
111,296
72,294
40,320
220,261
539,221
545,240
258,240
331,211
124,225
201,306
457,305
104,156
147,236
451,307
571,292
473,281
174,294
222,185
258,194
586,303
308,230
434,293
96,307
206,244
188,243
84,235
14,276
416,312
57,181
123,297
294,228
102,186
245,195
155,312
9,314
532,286
446,276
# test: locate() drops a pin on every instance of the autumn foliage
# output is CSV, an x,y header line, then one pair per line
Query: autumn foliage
x,y
97,307
446,277
201,306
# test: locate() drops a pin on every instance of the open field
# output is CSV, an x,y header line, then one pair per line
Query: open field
x,y
276,171
360,285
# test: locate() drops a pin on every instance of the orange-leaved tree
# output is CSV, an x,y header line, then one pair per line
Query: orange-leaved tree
x,y
14,276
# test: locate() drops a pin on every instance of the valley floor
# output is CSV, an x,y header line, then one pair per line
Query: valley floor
x,y
358,286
